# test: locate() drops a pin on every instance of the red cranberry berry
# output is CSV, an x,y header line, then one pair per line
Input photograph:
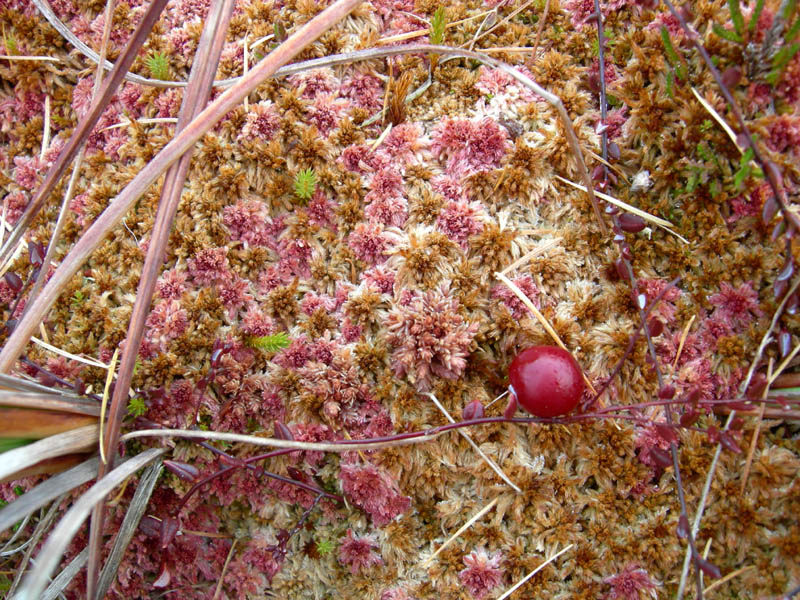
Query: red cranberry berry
x,y
546,380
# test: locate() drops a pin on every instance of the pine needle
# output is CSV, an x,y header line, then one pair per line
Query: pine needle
x,y
684,335
520,583
756,429
109,379
522,260
461,530
727,578
475,446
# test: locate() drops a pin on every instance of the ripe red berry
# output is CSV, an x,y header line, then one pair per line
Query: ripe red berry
x,y
546,380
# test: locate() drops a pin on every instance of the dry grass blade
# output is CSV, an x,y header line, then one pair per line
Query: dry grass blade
x,y
76,440
520,583
10,382
62,580
46,491
182,142
35,423
85,127
133,515
461,530
48,558
33,542
78,406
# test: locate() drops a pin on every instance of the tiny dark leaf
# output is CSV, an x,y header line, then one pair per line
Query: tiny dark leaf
x,y
511,407
737,423
296,474
689,418
183,470
727,441
150,526
708,568
282,432
757,386
619,264
661,457
473,410
631,223
614,151
769,210
36,253
13,280
655,326
666,392
169,529
731,77
666,433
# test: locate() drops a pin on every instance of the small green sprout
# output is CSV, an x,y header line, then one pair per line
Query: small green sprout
x,y
438,23
305,184
10,42
270,343
325,547
136,406
77,298
158,65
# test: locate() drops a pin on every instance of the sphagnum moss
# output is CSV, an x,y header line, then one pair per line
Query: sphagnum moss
x,y
587,483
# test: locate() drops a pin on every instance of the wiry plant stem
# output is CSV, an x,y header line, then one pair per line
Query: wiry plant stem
x,y
642,312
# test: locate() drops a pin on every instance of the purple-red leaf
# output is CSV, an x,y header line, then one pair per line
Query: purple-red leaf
x,y
36,253
13,280
150,526
296,474
163,578
631,223
473,410
661,457
511,407
727,441
169,529
619,264
282,432
666,433
757,386
183,470
666,392
731,76
769,210
655,327
708,568
689,418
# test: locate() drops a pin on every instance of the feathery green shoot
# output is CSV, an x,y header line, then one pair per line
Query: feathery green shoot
x,y
158,65
305,184
269,343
